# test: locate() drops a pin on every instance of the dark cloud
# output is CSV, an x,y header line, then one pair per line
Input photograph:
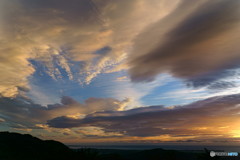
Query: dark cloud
x,y
202,118
221,85
103,51
197,42
83,11
22,112
63,122
68,100
215,79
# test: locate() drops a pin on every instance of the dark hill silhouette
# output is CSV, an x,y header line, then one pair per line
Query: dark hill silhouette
x,y
15,146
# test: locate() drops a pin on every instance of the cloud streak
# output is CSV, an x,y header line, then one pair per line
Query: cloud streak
x,y
198,43
200,119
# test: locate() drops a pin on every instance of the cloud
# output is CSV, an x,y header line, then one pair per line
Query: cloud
x,y
222,85
123,78
201,119
95,132
2,120
56,33
206,119
84,38
23,113
197,42
42,31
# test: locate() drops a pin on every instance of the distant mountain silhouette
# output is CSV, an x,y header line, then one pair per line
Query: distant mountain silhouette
x,y
15,146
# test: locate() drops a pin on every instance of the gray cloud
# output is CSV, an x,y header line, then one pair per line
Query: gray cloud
x,y
201,118
24,113
215,79
221,85
197,42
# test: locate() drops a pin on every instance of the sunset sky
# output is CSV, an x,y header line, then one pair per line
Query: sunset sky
x,y
121,71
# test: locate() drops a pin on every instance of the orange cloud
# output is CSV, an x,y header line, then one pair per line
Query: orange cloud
x,y
208,120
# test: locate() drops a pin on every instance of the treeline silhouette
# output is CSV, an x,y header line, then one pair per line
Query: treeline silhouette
x,y
15,146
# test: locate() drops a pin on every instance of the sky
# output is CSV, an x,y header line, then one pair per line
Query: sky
x,y
110,71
